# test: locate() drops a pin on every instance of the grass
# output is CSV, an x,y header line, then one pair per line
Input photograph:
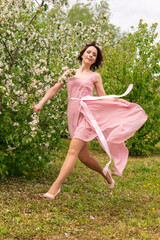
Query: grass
x,y
85,208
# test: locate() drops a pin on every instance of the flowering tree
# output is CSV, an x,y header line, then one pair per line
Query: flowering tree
x,y
25,73
33,54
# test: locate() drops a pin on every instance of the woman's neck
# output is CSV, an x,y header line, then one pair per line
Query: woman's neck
x,y
84,69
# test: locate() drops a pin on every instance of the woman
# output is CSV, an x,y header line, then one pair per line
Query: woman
x,y
110,120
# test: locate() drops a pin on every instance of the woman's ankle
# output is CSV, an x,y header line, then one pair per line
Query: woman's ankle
x,y
54,188
107,177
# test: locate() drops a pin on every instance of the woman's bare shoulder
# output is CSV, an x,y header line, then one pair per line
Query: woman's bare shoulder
x,y
98,78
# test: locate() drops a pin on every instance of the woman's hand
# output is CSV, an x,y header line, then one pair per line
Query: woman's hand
x,y
121,100
38,107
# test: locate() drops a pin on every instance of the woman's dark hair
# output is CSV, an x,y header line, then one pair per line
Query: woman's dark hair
x,y
99,59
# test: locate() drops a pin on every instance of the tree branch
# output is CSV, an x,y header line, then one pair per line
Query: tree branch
x,y
37,2
40,6
6,48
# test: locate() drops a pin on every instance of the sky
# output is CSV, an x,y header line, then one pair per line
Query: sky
x,y
127,13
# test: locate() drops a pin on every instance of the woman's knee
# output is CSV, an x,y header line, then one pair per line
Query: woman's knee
x,y
72,151
75,147
84,154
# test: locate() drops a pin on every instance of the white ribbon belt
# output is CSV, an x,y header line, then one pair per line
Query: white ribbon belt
x,y
94,122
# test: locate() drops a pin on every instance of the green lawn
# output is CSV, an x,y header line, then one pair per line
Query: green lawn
x,y
86,208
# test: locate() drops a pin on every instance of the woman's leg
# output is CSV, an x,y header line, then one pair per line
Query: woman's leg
x,y
91,162
75,147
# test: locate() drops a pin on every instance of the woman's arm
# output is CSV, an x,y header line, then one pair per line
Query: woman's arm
x,y
52,91
49,94
100,90
99,86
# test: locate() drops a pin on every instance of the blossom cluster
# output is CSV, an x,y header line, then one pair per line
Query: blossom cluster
x,y
67,75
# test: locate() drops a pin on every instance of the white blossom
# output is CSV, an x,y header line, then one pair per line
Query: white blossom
x,y
16,124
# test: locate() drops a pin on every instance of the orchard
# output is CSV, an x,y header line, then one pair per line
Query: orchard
x,y
37,42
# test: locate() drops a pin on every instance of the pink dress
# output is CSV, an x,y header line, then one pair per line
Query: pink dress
x,y
117,121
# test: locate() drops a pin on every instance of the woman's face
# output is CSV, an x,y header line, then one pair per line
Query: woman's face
x,y
90,55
